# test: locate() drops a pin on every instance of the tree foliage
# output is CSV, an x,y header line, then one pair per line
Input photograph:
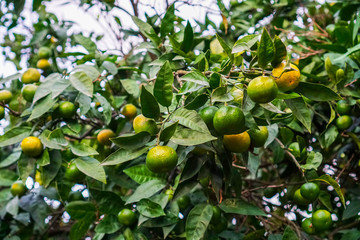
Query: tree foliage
x,y
177,76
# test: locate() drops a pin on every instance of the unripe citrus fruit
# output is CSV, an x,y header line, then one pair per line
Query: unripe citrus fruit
x,y
161,159
183,202
2,112
38,177
5,96
216,217
262,89
127,217
321,220
229,120
237,94
170,194
44,52
43,64
310,191
129,111
207,114
307,226
299,199
72,173
104,136
18,188
67,109
344,122
53,39
28,92
289,80
30,76
32,146
340,75
143,124
237,143
343,107
258,136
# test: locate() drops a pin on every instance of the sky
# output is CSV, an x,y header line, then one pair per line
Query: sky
x,y
89,21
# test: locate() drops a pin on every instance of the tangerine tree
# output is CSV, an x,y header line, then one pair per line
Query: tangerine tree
x,y
241,129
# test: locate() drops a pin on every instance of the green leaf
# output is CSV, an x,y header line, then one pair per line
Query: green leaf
x,y
352,234
82,82
351,210
90,70
81,227
280,52
80,149
271,107
300,111
325,199
254,163
189,137
329,136
220,94
86,42
266,49
12,207
245,43
14,135
329,180
54,139
163,85
7,177
238,206
10,78
226,47
107,111
149,209
289,234
317,92
43,106
80,209
110,67
26,165
142,174
109,224
146,190
197,102
197,221
196,77
49,172
11,159
53,84
190,119
187,42
147,30
132,141
313,161
131,87
149,106
91,167
273,130
107,202
84,102
123,155
167,23
168,131
44,159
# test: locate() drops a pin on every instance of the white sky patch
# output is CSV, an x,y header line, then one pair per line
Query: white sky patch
x,y
92,20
